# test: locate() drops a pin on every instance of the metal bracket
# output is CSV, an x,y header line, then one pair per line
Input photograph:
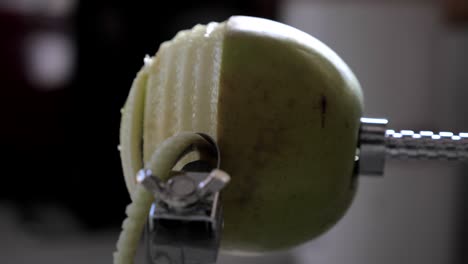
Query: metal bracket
x,y
185,221
185,237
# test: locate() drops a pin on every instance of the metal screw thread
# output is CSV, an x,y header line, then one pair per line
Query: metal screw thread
x,y
407,144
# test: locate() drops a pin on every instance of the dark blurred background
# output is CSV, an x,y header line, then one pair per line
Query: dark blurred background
x,y
66,67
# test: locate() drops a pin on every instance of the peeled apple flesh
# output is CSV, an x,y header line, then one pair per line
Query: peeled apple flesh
x,y
284,109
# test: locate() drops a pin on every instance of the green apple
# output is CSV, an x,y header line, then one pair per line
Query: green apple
x,y
284,109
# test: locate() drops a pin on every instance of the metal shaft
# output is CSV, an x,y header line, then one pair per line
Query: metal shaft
x,y
426,145
376,143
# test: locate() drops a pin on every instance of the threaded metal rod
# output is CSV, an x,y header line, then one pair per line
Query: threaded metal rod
x,y
376,143
407,144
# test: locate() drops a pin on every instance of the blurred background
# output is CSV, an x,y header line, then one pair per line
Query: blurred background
x,y
66,67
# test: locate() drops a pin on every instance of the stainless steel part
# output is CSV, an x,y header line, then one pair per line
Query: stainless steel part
x,y
376,143
372,148
183,189
185,235
185,221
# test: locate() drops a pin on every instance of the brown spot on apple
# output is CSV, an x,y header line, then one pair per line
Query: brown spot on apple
x,y
323,110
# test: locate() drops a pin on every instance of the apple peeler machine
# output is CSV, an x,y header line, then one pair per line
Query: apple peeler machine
x,y
185,221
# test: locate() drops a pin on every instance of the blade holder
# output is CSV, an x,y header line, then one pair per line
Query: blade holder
x,y
377,143
183,189
185,220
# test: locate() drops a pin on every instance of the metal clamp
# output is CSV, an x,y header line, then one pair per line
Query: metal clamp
x,y
185,221
376,144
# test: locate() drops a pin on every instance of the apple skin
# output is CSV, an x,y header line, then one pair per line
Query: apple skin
x,y
288,122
